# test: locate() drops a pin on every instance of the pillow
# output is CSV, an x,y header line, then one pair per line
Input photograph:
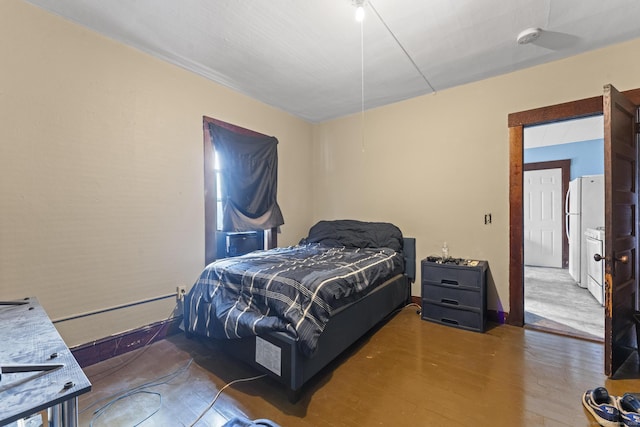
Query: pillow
x,y
356,234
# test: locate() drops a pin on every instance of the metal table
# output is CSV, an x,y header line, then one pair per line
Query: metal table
x,y
37,369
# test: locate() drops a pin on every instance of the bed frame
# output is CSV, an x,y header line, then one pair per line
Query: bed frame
x,y
277,354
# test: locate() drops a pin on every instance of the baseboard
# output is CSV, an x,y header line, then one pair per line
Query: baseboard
x,y
497,316
115,345
492,315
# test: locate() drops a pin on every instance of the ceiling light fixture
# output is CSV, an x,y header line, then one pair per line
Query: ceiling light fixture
x,y
529,35
359,4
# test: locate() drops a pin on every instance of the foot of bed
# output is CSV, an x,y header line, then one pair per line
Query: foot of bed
x,y
294,395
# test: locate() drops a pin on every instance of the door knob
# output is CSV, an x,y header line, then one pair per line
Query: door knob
x,y
624,259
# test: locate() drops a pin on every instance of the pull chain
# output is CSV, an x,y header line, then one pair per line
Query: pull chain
x,y
362,83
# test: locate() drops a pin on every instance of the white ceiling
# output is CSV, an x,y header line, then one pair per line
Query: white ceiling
x,y
564,132
306,56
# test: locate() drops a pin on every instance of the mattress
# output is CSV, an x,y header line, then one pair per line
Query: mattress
x,y
293,290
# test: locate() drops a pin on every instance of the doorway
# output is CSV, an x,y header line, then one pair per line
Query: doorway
x,y
556,298
516,123
621,116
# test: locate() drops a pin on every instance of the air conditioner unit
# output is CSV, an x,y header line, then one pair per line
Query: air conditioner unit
x,y
232,244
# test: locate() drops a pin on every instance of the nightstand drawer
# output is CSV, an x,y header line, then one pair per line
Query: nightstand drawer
x,y
460,318
452,275
452,296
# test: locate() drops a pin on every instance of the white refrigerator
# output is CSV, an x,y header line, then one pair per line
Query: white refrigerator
x,y
584,208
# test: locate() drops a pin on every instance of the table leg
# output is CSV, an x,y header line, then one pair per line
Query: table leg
x,y
70,412
65,414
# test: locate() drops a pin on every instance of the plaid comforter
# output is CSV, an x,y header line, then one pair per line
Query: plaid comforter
x,y
291,289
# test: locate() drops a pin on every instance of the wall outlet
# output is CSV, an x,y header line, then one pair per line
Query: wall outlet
x,y
180,291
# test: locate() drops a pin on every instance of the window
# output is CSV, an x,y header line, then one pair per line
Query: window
x,y
218,178
229,244
240,171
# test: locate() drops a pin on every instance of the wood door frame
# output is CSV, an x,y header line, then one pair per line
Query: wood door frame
x,y
565,171
516,123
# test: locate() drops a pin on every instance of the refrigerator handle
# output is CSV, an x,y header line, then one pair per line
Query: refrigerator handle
x,y
566,213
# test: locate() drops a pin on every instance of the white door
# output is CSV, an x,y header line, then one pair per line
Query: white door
x,y
543,218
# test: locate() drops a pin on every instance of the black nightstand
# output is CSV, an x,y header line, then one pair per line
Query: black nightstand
x,y
454,293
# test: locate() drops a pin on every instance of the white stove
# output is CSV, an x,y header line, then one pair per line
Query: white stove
x,y
595,269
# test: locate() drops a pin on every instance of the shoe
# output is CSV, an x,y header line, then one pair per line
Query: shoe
x,y
629,407
602,406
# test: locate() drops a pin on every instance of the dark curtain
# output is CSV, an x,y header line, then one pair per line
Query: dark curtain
x,y
249,172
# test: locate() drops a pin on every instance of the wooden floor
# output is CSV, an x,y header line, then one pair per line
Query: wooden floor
x,y
409,372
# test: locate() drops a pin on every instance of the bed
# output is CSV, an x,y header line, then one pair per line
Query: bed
x,y
290,311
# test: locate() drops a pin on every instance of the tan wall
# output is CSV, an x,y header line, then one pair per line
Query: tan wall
x,y
101,172
434,165
101,181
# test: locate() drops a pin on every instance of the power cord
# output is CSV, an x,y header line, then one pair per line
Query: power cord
x,y
413,304
104,409
136,390
220,392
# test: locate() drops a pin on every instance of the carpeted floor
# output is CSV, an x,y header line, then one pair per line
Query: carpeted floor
x,y
553,301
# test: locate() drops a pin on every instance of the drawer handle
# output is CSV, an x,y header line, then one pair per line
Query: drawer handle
x,y
451,321
449,301
449,282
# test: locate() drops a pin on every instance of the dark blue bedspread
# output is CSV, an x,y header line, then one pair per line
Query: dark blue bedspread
x,y
292,289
